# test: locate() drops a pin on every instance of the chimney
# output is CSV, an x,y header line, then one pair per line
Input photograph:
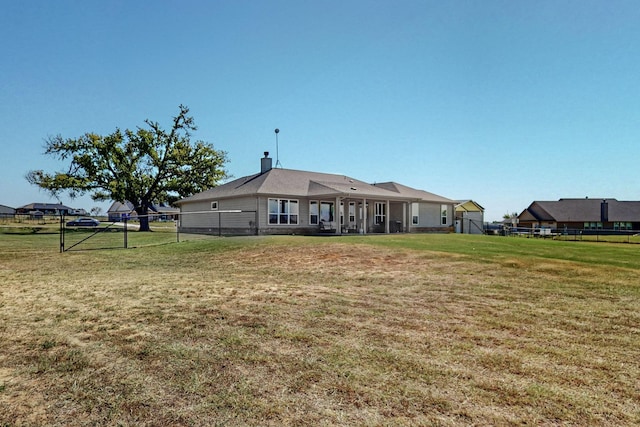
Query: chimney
x,y
265,163
604,211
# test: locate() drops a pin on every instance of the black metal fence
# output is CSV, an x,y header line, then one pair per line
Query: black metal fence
x,y
569,234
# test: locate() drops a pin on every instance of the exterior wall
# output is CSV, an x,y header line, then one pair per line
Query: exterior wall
x,y
471,222
303,226
198,217
429,216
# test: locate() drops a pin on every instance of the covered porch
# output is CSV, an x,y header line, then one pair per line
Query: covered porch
x,y
361,215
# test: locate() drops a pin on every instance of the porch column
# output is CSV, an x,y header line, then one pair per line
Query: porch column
x,y
364,216
336,216
406,209
386,217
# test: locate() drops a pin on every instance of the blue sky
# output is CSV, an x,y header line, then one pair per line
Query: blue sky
x,y
502,102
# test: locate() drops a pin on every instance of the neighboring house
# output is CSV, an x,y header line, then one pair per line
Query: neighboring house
x,y
469,217
40,209
157,212
118,209
582,214
286,201
7,212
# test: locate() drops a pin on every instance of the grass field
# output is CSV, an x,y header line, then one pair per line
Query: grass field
x,y
354,330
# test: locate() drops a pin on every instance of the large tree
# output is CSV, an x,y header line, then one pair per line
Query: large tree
x,y
145,166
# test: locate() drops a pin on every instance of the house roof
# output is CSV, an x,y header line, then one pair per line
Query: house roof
x,y
119,207
412,193
127,207
582,210
44,207
295,183
468,205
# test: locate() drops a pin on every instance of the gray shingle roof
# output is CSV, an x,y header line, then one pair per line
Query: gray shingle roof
x,y
413,193
295,183
584,210
44,206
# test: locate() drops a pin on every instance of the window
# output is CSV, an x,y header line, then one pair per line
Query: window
x,y
444,209
379,213
214,206
326,211
283,211
415,213
592,225
622,226
352,212
341,213
313,212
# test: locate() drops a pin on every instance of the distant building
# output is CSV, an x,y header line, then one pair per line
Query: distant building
x,y
40,209
582,214
469,217
7,212
157,212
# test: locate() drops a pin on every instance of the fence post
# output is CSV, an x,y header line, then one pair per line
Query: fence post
x,y
125,230
61,232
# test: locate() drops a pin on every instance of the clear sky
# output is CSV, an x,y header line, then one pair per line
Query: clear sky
x,y
502,102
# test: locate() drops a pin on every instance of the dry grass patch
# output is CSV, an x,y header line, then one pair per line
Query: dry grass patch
x,y
315,332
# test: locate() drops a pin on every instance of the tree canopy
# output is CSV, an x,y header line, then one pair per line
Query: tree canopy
x,y
145,166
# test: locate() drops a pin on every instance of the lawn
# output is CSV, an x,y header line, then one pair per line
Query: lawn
x,y
290,330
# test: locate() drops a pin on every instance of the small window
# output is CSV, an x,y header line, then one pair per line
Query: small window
x,y
415,213
444,209
214,206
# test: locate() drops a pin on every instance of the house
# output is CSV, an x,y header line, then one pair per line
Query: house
x,y
429,212
7,212
582,214
157,212
469,217
287,201
41,209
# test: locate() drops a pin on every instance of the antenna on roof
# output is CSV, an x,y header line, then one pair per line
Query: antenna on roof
x,y
277,131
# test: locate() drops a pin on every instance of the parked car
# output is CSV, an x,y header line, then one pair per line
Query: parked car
x,y
83,222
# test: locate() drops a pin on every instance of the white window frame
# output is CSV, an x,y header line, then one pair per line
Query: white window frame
x,y
415,213
214,205
444,214
282,211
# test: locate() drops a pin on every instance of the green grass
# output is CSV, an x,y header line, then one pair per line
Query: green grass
x,y
355,330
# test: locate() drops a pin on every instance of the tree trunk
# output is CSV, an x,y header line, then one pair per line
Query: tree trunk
x,y
143,217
